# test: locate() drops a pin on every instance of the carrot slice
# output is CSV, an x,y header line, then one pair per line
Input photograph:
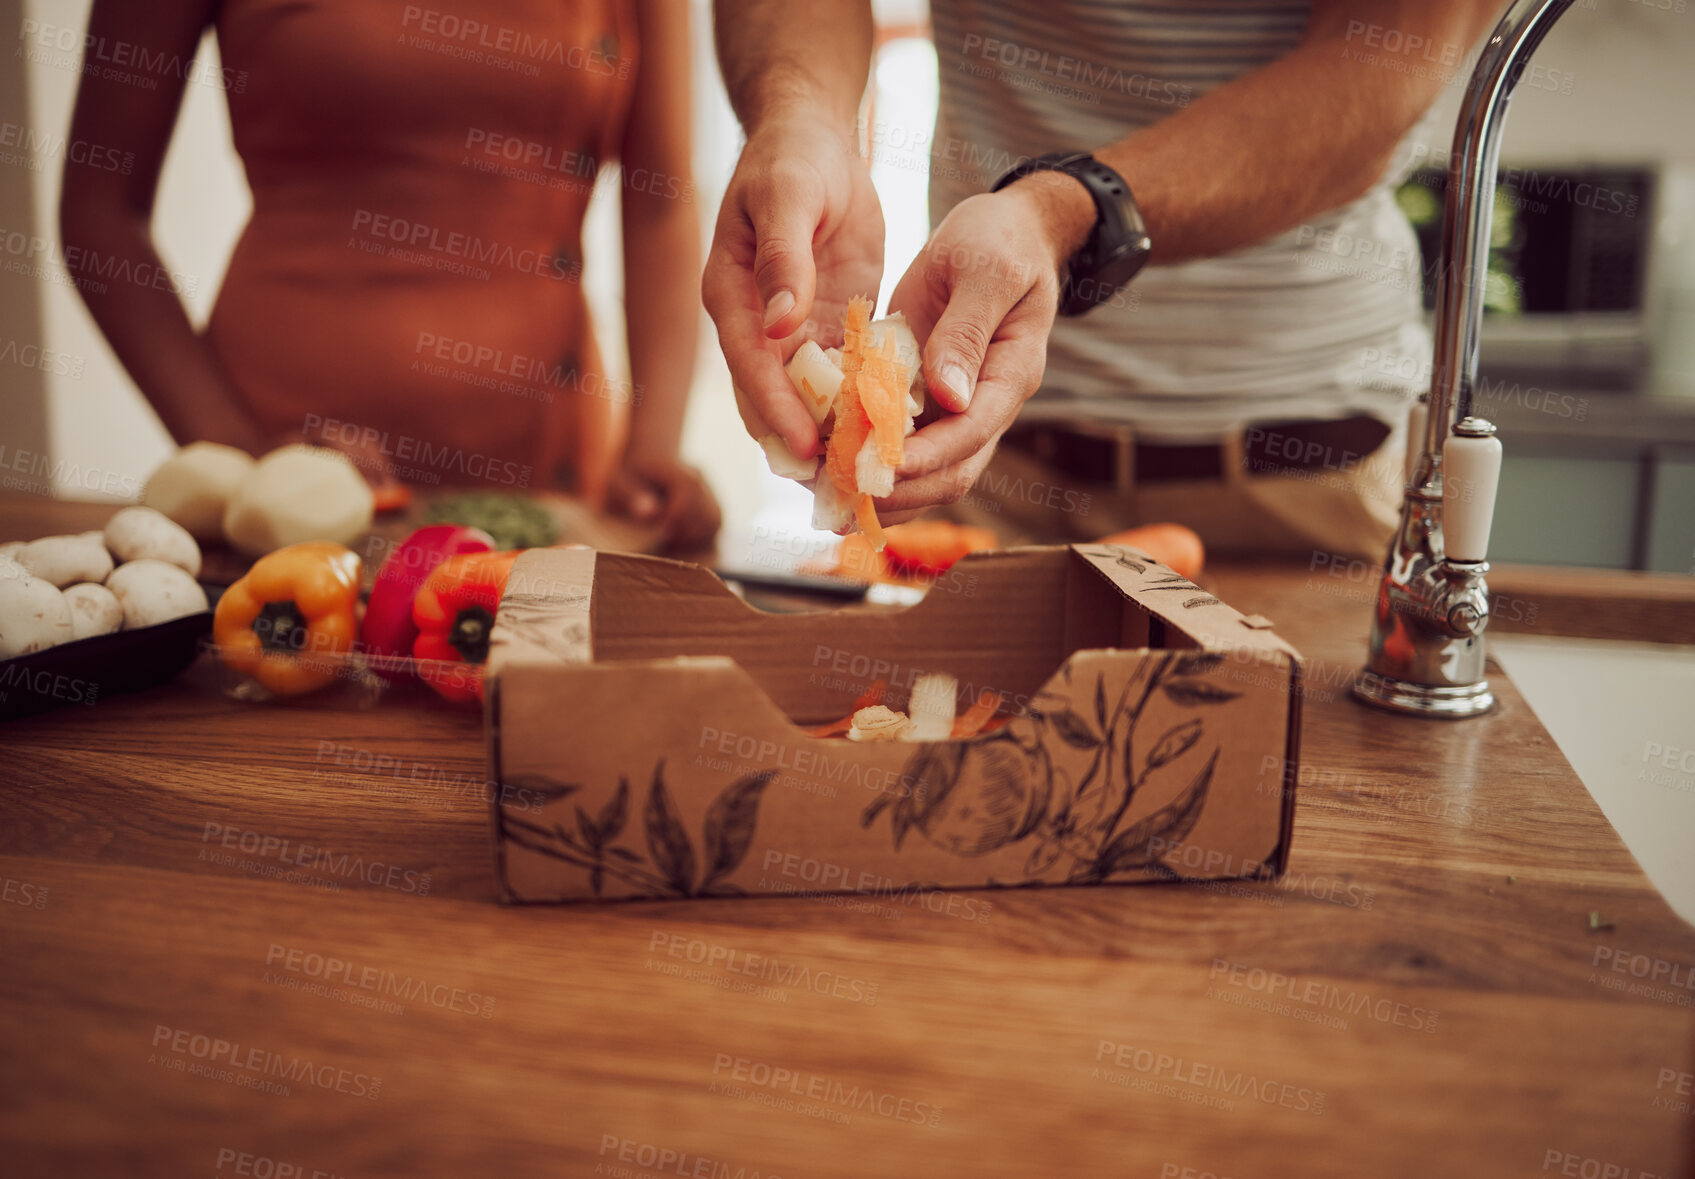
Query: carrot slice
x,y
971,722
390,497
882,395
865,513
930,547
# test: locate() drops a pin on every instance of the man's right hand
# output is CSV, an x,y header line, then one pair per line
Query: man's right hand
x,y
799,234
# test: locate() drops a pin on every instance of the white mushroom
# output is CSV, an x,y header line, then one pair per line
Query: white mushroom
x,y
11,547
95,610
298,493
194,486
153,591
33,616
145,534
66,560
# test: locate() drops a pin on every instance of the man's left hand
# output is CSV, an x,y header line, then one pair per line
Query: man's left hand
x,y
982,295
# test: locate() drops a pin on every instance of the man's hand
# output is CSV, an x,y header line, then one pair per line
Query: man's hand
x,y
982,295
799,234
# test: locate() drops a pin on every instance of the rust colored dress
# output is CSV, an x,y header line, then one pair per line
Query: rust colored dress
x,y
412,267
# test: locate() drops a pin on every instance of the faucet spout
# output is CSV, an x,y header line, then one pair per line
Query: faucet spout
x,y
1427,654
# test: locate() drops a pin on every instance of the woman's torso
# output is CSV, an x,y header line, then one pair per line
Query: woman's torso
x,y
1297,326
413,261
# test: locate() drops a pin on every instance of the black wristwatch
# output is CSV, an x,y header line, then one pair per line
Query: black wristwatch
x,y
1119,245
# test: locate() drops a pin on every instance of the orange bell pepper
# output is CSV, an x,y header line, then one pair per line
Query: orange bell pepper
x,y
291,620
455,614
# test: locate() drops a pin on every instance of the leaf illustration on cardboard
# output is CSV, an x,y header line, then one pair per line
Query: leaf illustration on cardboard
x,y
669,867
1143,843
667,842
729,827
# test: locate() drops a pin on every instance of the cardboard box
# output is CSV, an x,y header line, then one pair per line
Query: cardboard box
x,y
644,727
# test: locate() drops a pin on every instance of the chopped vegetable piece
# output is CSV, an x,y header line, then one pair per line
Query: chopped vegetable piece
x,y
390,496
865,515
514,521
878,723
928,548
973,719
935,699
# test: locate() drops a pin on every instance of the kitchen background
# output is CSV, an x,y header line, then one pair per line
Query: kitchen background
x,y
1588,359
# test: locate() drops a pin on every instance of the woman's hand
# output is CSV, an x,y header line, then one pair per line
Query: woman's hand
x,y
666,492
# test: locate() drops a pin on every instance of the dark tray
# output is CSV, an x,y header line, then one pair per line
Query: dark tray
x,y
90,670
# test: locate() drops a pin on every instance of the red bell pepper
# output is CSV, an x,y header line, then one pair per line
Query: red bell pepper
x,y
388,631
454,612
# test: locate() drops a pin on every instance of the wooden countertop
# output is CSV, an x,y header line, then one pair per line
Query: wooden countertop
x,y
1422,995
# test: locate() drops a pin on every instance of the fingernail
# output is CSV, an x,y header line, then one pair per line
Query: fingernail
x,y
953,376
780,305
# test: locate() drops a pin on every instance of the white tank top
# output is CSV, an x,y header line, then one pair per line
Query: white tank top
x,y
1323,321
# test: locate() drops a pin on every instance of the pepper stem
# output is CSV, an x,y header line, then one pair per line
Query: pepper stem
x,y
280,627
470,634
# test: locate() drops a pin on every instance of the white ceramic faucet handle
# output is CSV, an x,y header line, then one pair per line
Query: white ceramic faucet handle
x,y
1471,474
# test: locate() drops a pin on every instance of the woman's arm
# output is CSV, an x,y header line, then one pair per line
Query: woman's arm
x,y
105,220
662,258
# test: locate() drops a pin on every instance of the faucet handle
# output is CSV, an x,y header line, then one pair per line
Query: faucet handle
x,y
1418,419
1471,474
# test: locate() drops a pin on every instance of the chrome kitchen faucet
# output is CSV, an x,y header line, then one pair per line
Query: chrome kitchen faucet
x,y
1427,651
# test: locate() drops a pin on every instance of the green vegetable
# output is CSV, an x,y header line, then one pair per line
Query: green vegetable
x,y
514,521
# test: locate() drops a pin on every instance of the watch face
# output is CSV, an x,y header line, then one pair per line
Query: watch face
x,y
1106,280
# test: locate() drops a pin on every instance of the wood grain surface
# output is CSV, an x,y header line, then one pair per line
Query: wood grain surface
x,y
1423,994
